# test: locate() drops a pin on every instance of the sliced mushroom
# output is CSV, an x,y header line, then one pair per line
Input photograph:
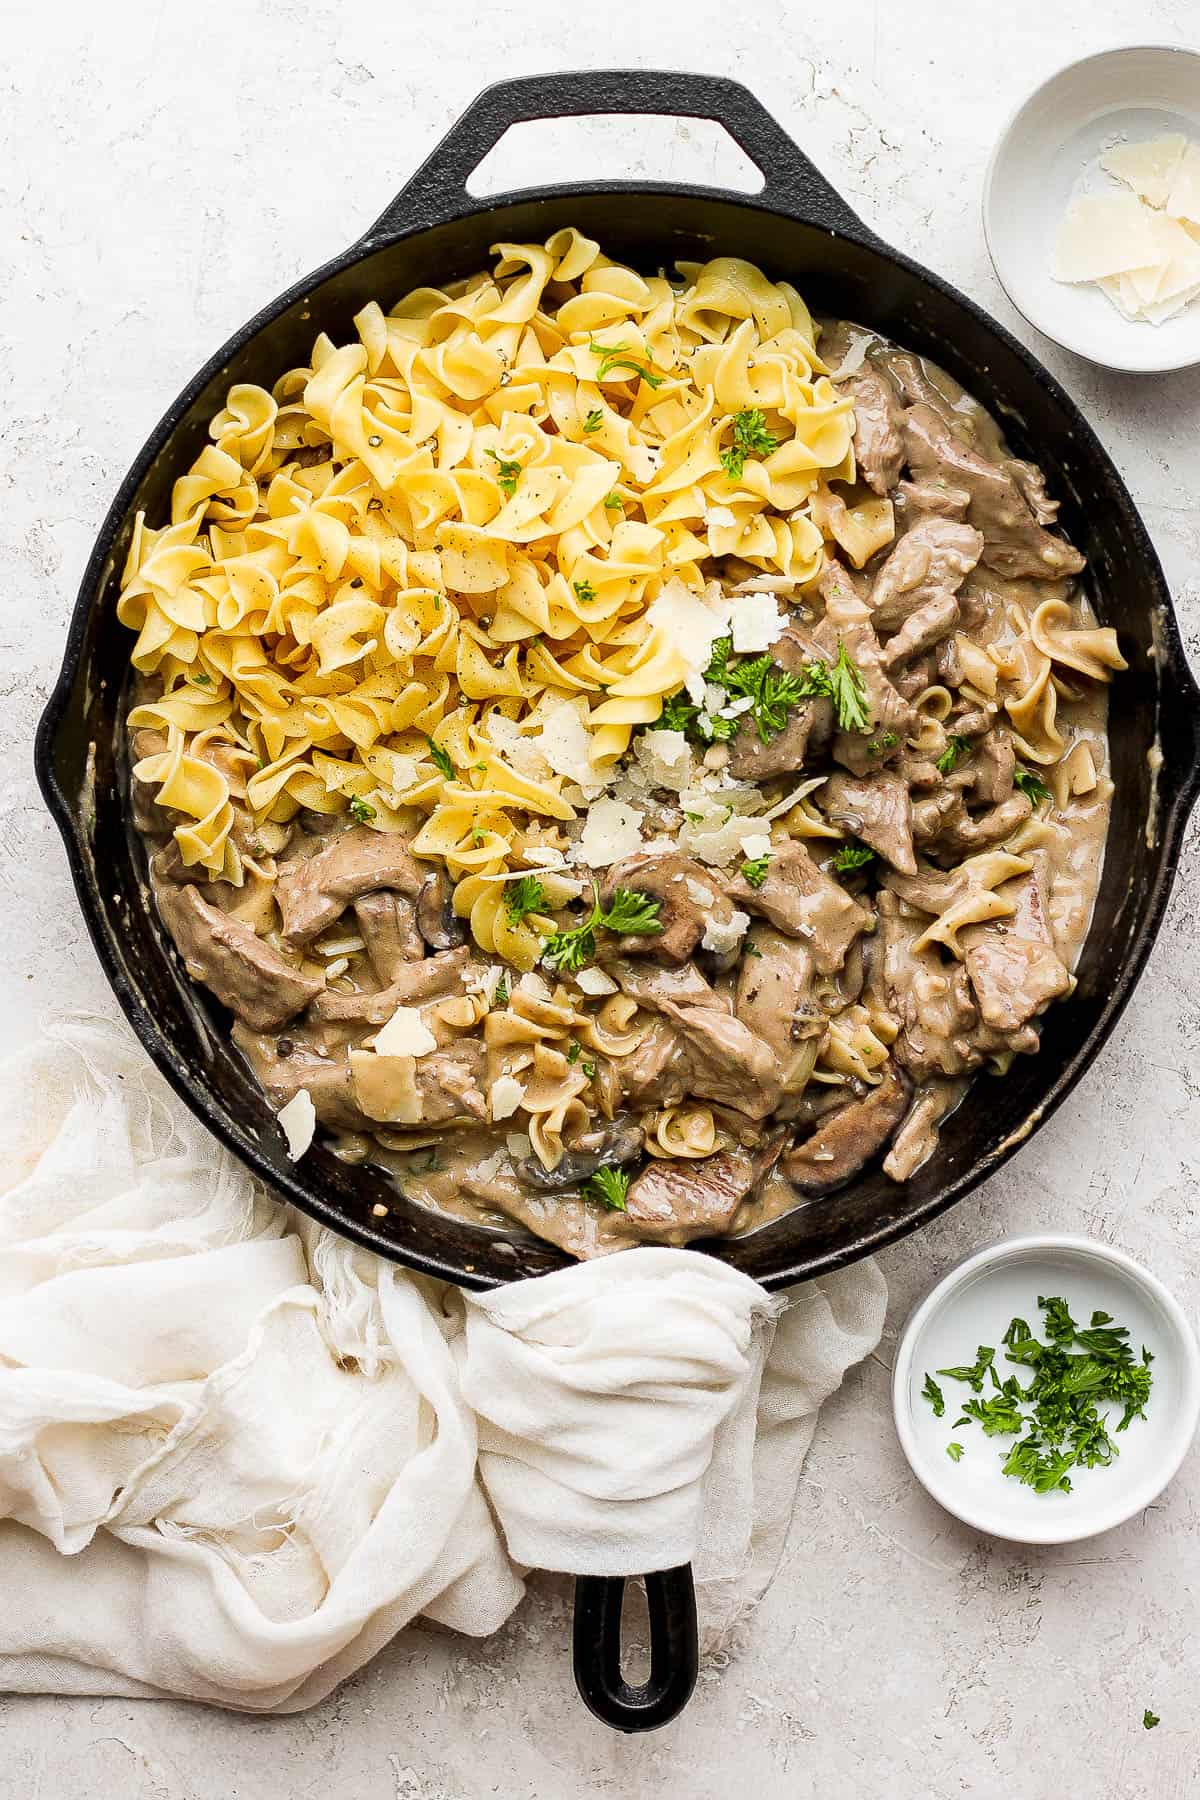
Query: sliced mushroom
x,y
437,921
849,1138
604,1149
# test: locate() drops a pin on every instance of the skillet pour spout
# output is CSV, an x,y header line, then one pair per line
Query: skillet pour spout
x,y
799,228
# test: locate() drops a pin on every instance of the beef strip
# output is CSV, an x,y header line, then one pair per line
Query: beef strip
x,y
1015,544
674,1202
848,1139
653,1074
1013,978
327,1079
388,925
991,768
690,897
314,893
936,498
246,974
920,632
650,987
916,1140
432,978
932,559
878,420
775,1001
809,726
800,899
945,829
878,810
721,1059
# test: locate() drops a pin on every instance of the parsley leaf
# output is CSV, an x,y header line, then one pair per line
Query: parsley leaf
x,y
617,356
848,693
593,421
500,997
984,1358
885,741
524,895
1150,1719
954,1452
507,473
361,810
441,759
202,679
574,1052
1031,784
613,501
771,691
749,949
852,856
589,1069
751,437
629,913
584,590
952,755
933,1393
610,1187
755,871
718,666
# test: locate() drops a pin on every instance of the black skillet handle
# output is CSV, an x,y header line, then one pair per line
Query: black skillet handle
x,y
791,184
674,1649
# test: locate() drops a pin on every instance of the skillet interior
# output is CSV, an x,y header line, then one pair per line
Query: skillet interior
x,y
84,776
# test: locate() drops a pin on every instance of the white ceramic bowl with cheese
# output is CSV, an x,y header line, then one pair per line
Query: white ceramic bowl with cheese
x,y
973,1305
1049,153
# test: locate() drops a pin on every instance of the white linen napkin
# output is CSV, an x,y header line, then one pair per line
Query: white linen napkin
x,y
238,1454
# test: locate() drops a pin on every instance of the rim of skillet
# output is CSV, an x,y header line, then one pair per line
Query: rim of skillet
x,y
290,1184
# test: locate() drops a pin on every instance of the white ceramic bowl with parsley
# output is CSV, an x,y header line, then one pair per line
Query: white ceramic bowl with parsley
x,y
1047,1389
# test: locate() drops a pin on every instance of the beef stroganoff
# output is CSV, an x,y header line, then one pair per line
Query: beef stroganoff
x,y
626,756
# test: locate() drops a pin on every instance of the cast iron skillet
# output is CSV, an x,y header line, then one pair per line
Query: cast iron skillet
x,y
797,227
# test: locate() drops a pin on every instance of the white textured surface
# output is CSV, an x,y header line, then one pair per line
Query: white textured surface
x,y
162,170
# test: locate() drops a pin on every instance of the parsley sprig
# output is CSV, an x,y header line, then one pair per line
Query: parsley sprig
x,y
610,1187
1031,784
508,473
952,755
751,437
593,421
361,810
522,896
1055,1416
628,914
618,356
851,857
441,759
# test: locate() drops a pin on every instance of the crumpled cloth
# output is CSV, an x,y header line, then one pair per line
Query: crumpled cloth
x,y
238,1454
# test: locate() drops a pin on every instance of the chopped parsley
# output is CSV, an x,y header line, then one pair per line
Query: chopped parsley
x,y
589,1069
617,356
678,714
441,759
718,662
885,741
593,421
952,755
851,857
1150,1720
500,997
609,1186
574,1052
751,437
1030,784
629,914
933,1393
202,679
361,810
954,1451
755,871
749,949
507,473
848,693
1055,1417
524,895
613,501
584,590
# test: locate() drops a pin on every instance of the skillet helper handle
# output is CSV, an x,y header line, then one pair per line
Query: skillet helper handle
x,y
674,1649
791,183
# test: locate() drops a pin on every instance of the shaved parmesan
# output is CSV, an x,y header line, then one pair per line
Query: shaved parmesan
x,y
405,1034
299,1121
596,982
1184,199
1105,234
692,626
612,831
757,623
519,1145
721,938
756,844
505,1096
1149,169
666,757
533,985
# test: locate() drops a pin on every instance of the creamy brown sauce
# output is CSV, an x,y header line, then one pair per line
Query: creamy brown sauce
x,y
924,1008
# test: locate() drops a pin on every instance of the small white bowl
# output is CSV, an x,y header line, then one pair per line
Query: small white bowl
x,y
1053,143
973,1305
